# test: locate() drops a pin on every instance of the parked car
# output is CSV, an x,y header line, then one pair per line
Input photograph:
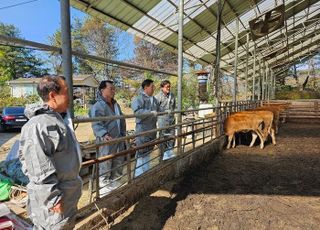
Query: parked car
x,y
12,117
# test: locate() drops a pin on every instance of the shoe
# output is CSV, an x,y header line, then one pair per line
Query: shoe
x,y
115,184
105,191
168,155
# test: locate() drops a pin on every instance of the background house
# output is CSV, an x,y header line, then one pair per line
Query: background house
x,y
84,87
23,87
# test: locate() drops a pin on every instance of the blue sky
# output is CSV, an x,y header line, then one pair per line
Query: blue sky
x,y
38,19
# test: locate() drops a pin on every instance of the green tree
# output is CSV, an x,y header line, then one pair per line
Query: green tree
x,y
17,61
100,39
153,56
94,37
55,59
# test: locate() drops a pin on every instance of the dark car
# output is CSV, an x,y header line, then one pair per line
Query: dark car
x,y
12,117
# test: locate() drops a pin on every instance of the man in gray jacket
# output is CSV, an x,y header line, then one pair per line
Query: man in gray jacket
x,y
106,105
51,158
145,102
167,102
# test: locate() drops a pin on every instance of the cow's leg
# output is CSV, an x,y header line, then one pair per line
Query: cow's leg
x,y
230,136
234,141
276,126
268,131
273,136
259,132
254,138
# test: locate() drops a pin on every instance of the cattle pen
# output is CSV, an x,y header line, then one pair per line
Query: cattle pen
x,y
274,188
207,187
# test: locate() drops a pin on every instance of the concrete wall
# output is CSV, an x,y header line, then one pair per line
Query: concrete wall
x,y
124,197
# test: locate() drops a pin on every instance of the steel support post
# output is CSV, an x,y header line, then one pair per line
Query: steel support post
x,y
247,56
234,98
217,67
180,72
254,75
263,80
259,81
66,49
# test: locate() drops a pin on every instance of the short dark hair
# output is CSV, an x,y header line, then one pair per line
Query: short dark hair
x,y
164,83
103,84
47,84
146,82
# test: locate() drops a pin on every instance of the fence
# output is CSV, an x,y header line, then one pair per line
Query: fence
x,y
196,131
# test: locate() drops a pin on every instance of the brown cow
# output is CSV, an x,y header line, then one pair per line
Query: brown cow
x,y
282,107
243,123
276,113
268,128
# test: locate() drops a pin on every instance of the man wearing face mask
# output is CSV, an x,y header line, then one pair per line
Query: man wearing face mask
x,y
51,158
167,102
144,103
106,105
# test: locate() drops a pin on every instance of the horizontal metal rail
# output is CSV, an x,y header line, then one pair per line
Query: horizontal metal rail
x,y
43,47
207,128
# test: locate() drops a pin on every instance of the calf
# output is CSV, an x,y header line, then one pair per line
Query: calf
x,y
276,113
243,123
268,128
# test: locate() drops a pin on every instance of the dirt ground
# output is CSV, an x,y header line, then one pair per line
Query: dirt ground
x,y
243,188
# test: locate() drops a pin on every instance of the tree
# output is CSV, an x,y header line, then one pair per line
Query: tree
x,y
94,37
79,65
99,38
54,58
17,61
153,56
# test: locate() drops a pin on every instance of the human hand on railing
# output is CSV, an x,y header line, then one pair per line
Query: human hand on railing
x,y
154,113
57,208
168,111
107,138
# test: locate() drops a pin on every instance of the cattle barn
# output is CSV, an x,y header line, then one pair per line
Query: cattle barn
x,y
220,178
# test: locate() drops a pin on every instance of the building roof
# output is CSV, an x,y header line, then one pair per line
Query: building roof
x,y
78,81
85,80
24,81
157,21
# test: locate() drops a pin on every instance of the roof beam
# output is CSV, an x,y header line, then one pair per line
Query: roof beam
x,y
136,29
242,53
160,23
199,25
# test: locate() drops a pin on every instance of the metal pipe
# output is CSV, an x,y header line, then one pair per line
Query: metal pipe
x,y
263,80
254,74
66,50
274,85
267,84
180,72
44,47
234,98
218,52
259,81
271,84
247,56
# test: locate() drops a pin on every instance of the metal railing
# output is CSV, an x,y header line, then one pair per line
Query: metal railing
x,y
196,131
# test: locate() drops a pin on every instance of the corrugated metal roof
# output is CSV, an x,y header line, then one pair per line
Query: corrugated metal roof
x,y
157,22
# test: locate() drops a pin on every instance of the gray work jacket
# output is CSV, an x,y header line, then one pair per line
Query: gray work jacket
x,y
143,104
113,128
166,102
50,158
